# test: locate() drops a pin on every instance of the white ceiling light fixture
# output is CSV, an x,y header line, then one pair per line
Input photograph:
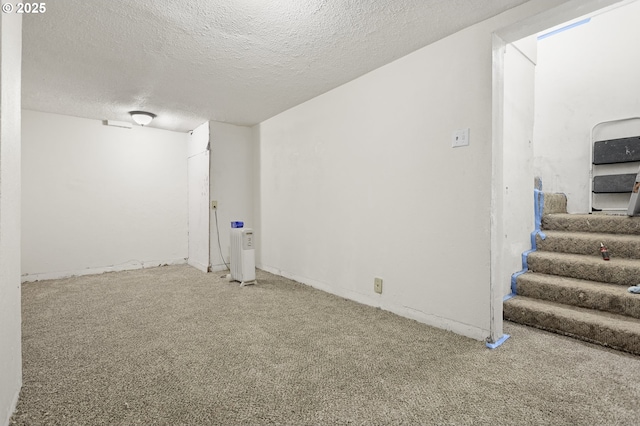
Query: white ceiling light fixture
x,y
141,117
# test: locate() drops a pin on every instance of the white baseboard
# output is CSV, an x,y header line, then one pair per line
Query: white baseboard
x,y
199,266
462,329
218,268
30,277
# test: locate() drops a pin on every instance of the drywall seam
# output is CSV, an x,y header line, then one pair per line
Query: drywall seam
x,y
127,266
538,206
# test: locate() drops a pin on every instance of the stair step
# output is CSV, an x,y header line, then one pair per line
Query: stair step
x,y
555,203
588,243
601,223
615,331
624,272
582,293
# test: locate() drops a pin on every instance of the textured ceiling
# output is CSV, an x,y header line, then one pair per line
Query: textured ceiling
x,y
235,61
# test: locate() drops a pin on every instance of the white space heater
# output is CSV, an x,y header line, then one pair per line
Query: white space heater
x,y
242,258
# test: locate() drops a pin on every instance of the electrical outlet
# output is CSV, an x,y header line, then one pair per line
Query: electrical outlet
x,y
214,205
377,285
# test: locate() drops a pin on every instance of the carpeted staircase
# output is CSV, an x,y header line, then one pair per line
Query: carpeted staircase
x,y
569,288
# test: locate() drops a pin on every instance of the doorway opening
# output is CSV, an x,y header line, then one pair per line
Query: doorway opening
x,y
548,91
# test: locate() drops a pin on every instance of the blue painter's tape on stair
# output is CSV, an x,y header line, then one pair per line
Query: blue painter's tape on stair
x,y
538,202
499,342
508,296
524,269
514,278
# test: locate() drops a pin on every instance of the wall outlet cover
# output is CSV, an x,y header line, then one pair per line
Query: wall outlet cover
x,y
377,285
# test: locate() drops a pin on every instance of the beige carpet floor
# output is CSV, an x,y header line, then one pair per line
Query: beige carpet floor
x,y
174,346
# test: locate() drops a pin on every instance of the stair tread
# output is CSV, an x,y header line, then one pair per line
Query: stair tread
x,y
603,328
615,217
578,283
586,258
618,270
619,245
578,292
585,315
587,235
616,224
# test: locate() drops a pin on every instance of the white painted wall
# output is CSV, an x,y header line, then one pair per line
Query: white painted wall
x,y
99,198
232,180
10,317
518,208
584,75
257,193
198,140
362,182
198,183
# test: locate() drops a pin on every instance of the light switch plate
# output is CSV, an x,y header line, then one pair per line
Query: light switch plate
x,y
460,137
